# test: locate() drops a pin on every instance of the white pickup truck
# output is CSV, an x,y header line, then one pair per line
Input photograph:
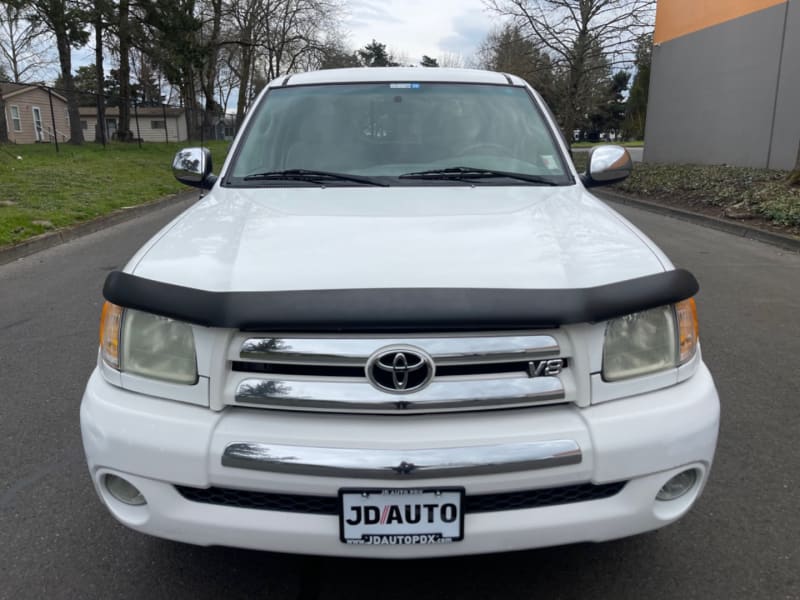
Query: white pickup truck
x,y
399,319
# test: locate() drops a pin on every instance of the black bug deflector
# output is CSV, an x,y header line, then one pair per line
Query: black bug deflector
x,y
399,309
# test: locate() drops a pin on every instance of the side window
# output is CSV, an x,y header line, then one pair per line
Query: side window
x,y
15,119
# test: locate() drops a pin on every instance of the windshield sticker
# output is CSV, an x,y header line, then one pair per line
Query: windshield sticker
x,y
549,162
404,86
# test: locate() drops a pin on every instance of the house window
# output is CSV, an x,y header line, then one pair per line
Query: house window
x,y
15,120
84,124
156,124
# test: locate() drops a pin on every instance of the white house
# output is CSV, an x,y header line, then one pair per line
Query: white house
x,y
150,123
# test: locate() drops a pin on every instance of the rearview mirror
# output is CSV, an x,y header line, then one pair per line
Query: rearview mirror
x,y
192,166
607,164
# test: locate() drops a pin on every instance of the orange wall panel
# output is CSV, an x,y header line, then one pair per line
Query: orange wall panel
x,y
675,18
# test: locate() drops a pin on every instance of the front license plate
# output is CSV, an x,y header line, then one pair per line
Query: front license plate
x,y
401,516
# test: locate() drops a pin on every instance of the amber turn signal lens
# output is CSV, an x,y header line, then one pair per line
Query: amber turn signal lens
x,y
110,323
687,329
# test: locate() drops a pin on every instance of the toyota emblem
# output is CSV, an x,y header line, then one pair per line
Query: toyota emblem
x,y
400,369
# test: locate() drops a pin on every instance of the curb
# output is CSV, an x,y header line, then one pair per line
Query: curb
x,y
66,234
787,242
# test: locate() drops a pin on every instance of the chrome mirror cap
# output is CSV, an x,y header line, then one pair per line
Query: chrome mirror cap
x,y
192,166
607,164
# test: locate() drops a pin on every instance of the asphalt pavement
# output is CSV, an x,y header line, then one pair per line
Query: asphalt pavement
x,y
740,541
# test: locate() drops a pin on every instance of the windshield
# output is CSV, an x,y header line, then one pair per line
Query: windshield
x,y
398,134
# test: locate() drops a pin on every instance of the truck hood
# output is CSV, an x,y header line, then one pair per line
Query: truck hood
x,y
272,239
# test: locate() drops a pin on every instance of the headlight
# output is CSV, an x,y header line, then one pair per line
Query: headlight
x,y
148,345
650,341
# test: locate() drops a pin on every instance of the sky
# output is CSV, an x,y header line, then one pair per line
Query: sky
x,y
411,28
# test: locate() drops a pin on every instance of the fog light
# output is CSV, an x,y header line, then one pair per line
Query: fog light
x,y
678,485
124,491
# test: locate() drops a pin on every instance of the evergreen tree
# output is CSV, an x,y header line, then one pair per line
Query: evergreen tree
x,y
636,107
374,54
609,111
336,56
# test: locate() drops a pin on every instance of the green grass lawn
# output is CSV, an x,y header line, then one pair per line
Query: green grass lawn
x,y
45,190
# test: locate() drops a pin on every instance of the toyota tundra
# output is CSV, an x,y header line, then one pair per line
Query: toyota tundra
x,y
399,325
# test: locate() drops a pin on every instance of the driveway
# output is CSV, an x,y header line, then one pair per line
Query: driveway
x,y
740,541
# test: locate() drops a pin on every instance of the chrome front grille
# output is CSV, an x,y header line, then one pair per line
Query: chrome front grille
x,y
339,374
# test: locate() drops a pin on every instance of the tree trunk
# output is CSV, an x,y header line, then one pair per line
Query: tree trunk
x,y
192,108
244,82
794,176
573,104
3,124
100,129
65,59
210,71
124,130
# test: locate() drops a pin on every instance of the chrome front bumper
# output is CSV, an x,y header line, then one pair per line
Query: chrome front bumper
x,y
403,465
159,444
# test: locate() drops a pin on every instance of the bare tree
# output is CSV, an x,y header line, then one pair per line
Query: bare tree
x,y
274,37
227,77
296,30
24,47
247,17
581,37
451,60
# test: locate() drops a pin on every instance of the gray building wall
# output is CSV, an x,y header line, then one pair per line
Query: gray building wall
x,y
728,94
786,134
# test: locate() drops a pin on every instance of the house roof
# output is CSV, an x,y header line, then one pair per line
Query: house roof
x,y
144,111
9,90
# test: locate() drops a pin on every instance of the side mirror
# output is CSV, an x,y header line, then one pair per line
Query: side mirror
x,y
192,166
607,164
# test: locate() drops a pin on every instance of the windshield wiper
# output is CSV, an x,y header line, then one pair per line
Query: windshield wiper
x,y
462,173
312,176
